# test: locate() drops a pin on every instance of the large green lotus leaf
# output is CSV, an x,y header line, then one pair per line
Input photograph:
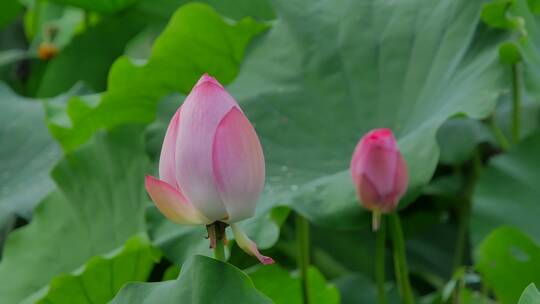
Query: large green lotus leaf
x,y
101,277
99,205
530,295
521,17
508,261
196,40
89,56
507,192
328,72
102,6
202,280
27,154
282,288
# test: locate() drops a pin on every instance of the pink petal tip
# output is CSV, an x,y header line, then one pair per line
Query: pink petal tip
x,y
267,260
249,246
205,78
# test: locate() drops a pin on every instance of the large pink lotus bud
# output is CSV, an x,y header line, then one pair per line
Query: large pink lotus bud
x,y
211,166
379,172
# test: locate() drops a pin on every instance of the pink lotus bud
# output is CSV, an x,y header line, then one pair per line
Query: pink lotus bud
x,y
211,166
379,172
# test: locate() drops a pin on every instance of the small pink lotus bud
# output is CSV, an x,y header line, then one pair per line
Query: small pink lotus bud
x,y
211,166
379,172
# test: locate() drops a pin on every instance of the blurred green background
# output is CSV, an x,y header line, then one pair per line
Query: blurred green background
x,y
87,88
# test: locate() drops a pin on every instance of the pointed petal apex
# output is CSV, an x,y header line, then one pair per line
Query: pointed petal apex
x,y
205,78
249,246
172,203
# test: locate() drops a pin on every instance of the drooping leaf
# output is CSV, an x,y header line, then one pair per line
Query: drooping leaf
x,y
101,277
530,295
201,280
316,83
99,205
508,261
507,192
27,154
282,288
196,40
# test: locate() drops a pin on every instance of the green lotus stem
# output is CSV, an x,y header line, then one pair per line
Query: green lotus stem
x,y
499,135
465,209
302,240
380,251
516,102
464,213
217,236
400,260
464,216
219,251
